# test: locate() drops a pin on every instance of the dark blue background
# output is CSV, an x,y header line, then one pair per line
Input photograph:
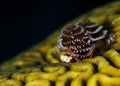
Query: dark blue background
x,y
23,24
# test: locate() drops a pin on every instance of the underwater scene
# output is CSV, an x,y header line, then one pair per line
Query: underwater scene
x,y
84,52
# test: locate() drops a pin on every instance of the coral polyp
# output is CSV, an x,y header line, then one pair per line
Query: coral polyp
x,y
80,40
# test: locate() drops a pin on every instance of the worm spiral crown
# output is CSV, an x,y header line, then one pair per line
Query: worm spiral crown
x,y
79,40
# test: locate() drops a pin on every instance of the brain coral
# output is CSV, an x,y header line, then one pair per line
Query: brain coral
x,y
41,64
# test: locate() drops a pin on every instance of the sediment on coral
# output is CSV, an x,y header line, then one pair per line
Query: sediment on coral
x,y
41,65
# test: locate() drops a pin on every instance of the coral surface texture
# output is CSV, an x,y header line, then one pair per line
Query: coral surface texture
x,y
41,65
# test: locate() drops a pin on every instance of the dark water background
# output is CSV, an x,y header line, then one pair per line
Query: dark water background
x,y
23,24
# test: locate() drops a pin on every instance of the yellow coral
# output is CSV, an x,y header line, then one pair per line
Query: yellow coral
x,y
41,66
